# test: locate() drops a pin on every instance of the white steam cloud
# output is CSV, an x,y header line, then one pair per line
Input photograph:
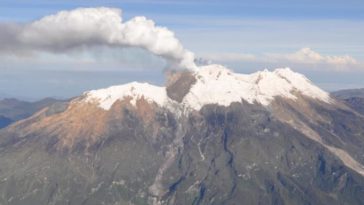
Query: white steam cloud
x,y
89,27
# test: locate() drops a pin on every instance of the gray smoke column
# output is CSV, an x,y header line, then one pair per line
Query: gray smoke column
x,y
88,27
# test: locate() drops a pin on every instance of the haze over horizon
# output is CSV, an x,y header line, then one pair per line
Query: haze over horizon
x,y
319,39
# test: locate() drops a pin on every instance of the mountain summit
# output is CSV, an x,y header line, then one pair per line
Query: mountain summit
x,y
215,84
210,136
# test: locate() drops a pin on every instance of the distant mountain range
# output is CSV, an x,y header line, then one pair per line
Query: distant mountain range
x,y
349,93
12,110
354,98
210,136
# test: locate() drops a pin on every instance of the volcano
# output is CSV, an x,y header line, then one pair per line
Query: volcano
x,y
210,136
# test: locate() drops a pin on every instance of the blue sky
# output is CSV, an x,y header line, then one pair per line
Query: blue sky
x,y
244,35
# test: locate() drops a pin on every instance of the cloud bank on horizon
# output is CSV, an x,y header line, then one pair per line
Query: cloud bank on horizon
x,y
91,27
307,55
304,56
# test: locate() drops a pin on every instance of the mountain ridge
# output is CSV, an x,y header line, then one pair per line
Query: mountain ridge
x,y
12,110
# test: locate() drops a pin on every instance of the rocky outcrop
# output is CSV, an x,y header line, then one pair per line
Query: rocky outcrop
x,y
179,84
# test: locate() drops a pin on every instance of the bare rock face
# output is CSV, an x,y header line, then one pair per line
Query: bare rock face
x,y
179,84
147,155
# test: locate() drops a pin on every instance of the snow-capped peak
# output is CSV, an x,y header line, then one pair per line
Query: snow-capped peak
x,y
219,85
108,96
215,84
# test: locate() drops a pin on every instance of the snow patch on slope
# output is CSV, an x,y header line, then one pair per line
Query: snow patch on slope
x,y
108,96
219,85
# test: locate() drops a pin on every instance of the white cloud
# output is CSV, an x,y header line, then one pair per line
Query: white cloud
x,y
303,59
308,56
90,27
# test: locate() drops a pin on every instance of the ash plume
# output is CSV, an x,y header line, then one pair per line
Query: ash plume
x,y
91,27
